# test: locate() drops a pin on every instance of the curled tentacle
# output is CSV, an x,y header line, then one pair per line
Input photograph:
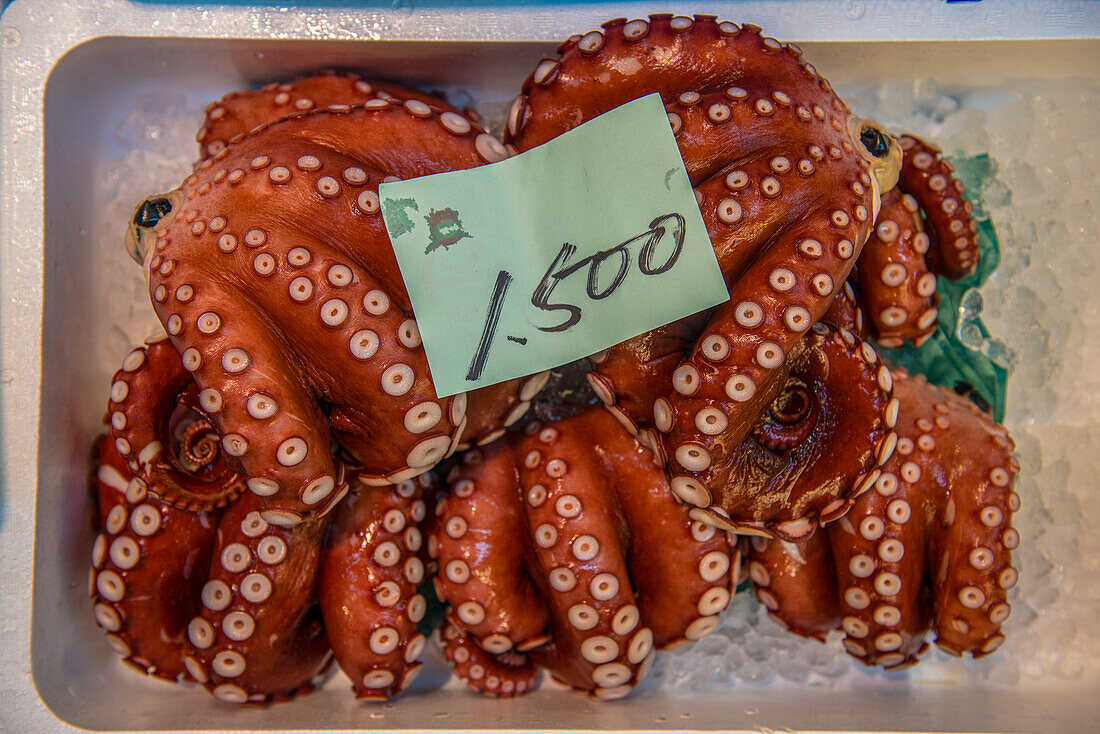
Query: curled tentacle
x,y
368,587
816,447
501,674
788,181
148,415
202,588
923,230
927,550
930,179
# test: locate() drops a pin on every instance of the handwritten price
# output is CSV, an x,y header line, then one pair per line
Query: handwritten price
x,y
561,268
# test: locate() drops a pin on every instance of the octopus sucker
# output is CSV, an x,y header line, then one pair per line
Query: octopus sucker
x,y
788,181
589,508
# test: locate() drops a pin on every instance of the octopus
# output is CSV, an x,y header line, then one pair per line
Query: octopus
x,y
271,270
199,587
788,182
923,230
269,459
562,548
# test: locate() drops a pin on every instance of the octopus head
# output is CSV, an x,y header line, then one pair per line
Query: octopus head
x,y
150,218
882,152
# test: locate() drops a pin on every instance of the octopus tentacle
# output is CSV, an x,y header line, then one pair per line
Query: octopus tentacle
x,y
501,675
739,365
145,393
256,396
931,181
235,114
148,567
896,286
259,637
598,564
682,588
581,566
492,595
368,587
795,583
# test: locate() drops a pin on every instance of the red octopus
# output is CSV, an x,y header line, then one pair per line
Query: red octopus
x,y
191,583
923,230
271,270
788,181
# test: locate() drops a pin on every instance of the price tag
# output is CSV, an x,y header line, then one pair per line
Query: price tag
x,y
554,254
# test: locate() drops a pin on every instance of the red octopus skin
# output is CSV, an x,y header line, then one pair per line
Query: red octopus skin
x,y
207,593
489,410
230,118
191,583
564,548
927,549
274,277
786,186
368,587
896,288
898,266
931,180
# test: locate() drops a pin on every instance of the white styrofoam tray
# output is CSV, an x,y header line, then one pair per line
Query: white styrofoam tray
x,y
74,77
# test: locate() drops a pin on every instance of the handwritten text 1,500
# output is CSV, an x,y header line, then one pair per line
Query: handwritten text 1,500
x,y
561,268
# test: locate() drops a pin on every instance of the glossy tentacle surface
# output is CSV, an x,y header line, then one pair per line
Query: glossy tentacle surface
x,y
923,230
565,548
234,115
896,288
368,587
787,187
931,180
274,277
489,410
211,594
928,549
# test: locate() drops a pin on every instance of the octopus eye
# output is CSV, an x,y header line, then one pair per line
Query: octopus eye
x,y
152,211
874,141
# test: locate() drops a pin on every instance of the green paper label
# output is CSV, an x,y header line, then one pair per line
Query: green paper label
x,y
554,254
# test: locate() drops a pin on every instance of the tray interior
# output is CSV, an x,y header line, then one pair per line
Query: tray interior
x,y
99,101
